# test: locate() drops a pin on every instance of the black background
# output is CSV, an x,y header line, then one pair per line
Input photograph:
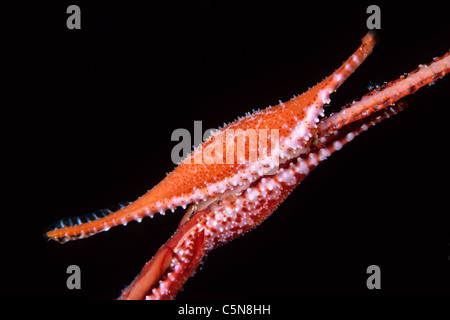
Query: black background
x,y
89,116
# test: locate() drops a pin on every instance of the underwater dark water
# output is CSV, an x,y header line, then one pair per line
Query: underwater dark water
x,y
92,112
